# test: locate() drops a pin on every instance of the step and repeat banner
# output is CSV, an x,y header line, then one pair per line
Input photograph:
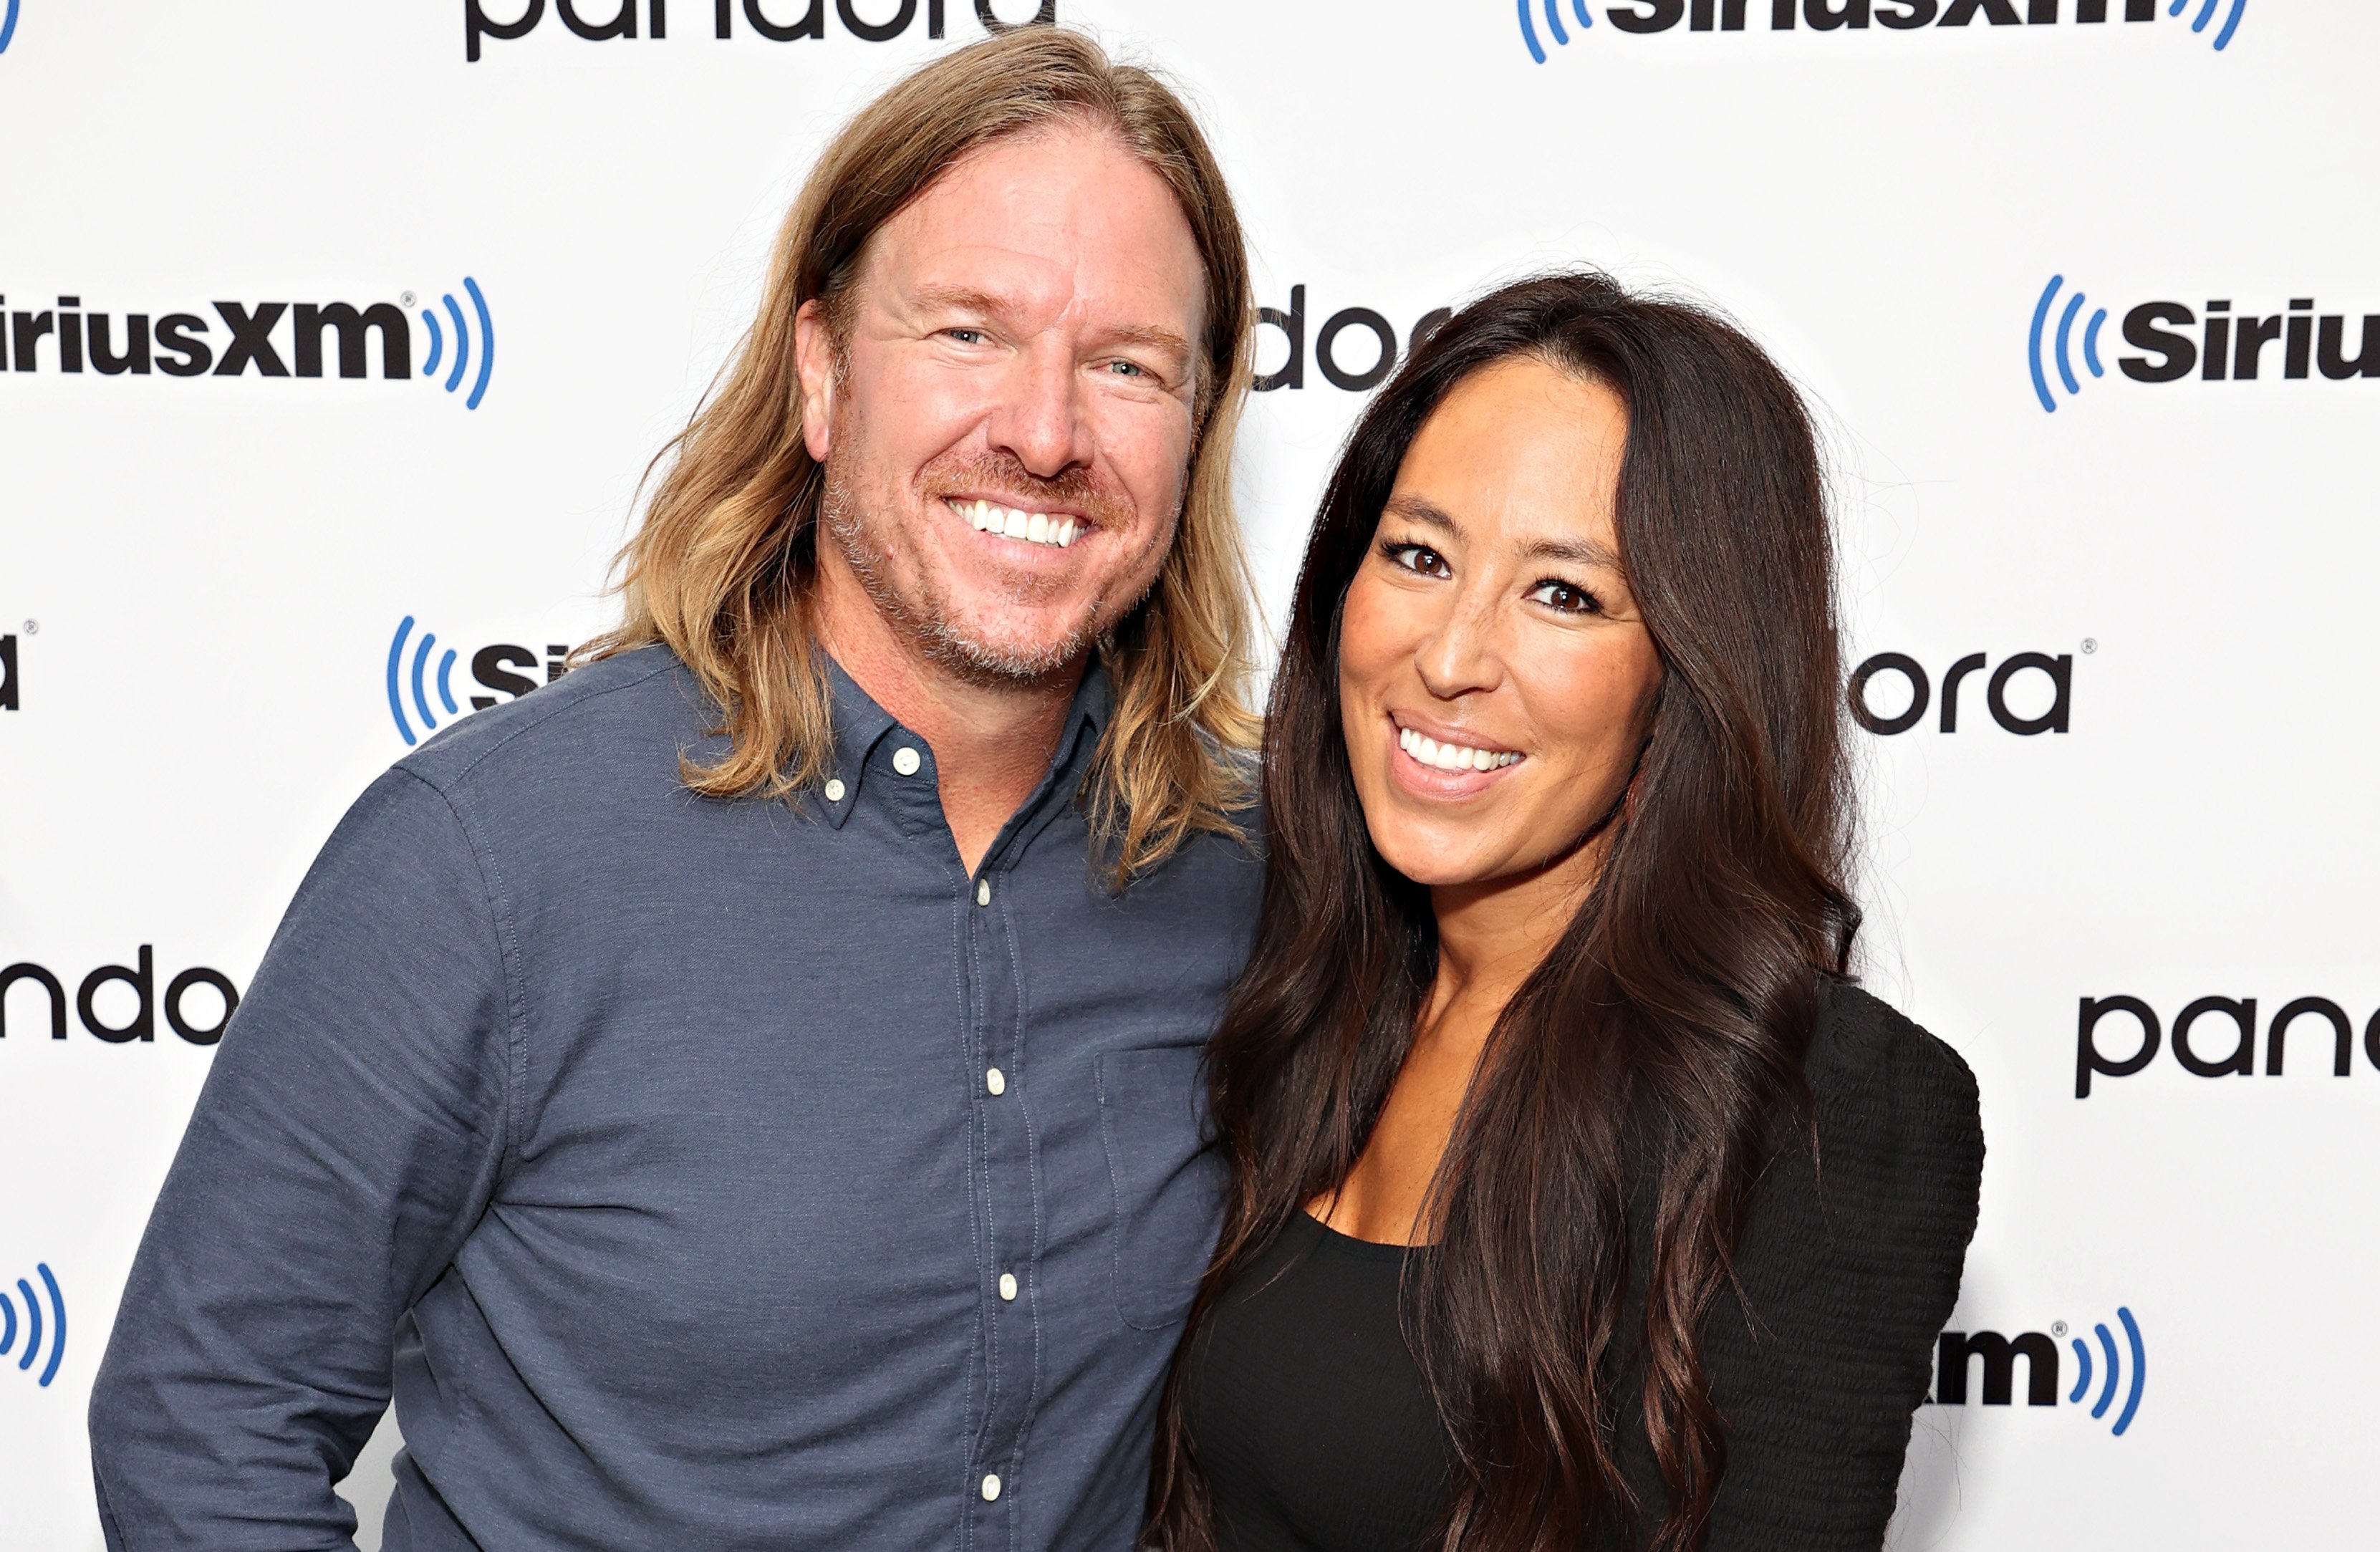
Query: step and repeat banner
x,y
336,338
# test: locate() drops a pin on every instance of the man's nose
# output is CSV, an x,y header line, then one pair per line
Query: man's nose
x,y
1040,418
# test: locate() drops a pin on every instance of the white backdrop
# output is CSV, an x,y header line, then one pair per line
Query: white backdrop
x,y
201,575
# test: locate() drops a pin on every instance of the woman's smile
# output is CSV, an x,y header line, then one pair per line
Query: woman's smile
x,y
1434,762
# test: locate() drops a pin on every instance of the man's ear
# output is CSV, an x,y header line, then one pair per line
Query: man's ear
x,y
814,358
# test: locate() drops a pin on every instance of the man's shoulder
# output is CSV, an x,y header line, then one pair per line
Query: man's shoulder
x,y
615,708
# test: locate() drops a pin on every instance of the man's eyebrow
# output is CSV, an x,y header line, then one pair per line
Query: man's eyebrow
x,y
1151,335
1578,552
962,298
968,300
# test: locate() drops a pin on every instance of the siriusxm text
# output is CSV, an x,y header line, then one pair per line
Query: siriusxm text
x,y
1826,16
2243,345
273,339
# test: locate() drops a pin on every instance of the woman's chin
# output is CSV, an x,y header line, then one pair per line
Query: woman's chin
x,y
1433,864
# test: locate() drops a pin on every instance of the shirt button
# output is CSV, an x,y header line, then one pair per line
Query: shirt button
x,y
835,789
996,1080
983,892
1008,1285
991,1487
904,760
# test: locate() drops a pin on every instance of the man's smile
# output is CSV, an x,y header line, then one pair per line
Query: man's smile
x,y
1053,529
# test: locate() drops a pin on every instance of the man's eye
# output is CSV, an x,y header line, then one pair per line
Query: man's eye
x,y
966,336
1566,599
1128,369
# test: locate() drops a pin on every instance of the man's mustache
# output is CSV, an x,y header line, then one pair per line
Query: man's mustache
x,y
1072,489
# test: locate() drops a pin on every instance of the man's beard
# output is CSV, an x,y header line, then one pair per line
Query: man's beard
x,y
923,613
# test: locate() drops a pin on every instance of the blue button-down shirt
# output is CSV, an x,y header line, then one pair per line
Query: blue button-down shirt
x,y
676,1156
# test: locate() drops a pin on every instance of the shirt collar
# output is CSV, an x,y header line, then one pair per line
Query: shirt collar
x,y
860,725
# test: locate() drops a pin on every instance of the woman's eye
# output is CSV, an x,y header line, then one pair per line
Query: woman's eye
x,y
1565,598
1417,557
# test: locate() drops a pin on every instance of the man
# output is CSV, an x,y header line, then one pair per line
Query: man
x,y
742,1096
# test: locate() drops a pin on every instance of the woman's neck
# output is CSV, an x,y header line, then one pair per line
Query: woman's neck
x,y
1492,936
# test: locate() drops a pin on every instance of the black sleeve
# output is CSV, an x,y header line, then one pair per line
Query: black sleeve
x,y
1850,1265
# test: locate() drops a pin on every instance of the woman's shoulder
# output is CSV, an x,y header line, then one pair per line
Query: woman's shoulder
x,y
1871,1064
1849,1263
1858,1230
1896,1172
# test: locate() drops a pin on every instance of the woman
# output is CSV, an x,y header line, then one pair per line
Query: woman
x,y
1580,1200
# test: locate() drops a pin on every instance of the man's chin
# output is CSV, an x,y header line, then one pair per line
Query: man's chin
x,y
1007,657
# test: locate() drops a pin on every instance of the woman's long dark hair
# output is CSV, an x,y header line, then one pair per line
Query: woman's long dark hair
x,y
1587,1209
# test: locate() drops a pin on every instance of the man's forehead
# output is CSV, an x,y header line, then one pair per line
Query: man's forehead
x,y
1066,218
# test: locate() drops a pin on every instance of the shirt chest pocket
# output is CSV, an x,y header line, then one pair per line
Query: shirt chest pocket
x,y
1168,1182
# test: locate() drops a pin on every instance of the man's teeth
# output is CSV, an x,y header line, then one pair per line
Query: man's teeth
x,y
1451,756
1033,527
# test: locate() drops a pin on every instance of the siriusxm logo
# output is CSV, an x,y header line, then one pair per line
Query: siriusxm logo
x,y
491,666
1554,25
35,1329
8,693
462,345
8,25
141,979
2228,347
2239,1012
1375,345
2118,1370
66,339
2055,718
811,23
1829,15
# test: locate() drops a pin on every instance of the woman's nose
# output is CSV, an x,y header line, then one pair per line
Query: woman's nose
x,y
1462,653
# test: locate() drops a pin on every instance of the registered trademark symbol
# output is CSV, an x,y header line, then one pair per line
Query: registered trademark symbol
x,y
32,627
405,298
2057,1327
2090,644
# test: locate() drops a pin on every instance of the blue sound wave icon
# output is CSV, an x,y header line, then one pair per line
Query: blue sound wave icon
x,y
2207,10
1553,25
8,25
2115,1369
445,681
35,1329
2064,347
487,352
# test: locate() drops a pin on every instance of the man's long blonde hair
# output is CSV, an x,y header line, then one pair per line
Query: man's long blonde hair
x,y
724,567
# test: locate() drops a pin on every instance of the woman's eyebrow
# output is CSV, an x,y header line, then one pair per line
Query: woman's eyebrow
x,y
1578,552
1429,514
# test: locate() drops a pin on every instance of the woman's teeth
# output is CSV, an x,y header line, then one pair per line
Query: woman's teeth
x,y
1033,527
1451,756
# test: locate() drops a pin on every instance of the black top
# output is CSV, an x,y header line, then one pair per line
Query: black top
x,y
1309,1417
1308,1413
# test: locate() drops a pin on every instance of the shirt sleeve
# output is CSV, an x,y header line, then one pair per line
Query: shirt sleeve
x,y
345,1141
1849,1266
